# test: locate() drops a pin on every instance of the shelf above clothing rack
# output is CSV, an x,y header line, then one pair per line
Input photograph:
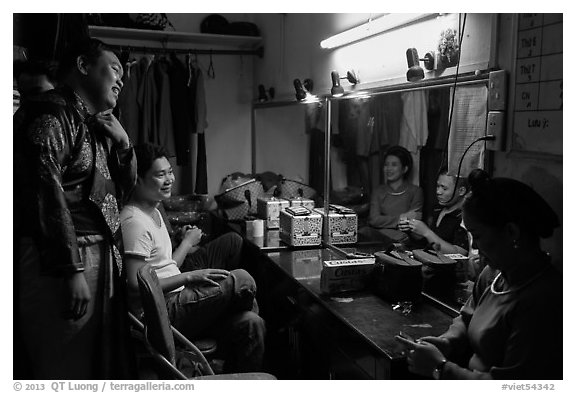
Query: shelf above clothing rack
x,y
140,40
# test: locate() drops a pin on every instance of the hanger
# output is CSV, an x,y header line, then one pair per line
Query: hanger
x,y
211,73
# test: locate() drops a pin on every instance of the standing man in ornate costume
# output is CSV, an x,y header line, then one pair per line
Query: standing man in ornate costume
x,y
73,165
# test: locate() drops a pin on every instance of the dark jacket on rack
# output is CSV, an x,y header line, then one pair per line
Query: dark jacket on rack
x,y
163,132
183,103
127,107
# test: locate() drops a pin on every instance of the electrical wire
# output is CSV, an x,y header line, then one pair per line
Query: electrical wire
x,y
487,137
460,38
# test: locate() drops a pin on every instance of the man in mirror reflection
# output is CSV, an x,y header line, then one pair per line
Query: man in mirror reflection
x,y
443,232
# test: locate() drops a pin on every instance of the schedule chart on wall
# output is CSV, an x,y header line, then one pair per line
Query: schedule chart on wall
x,y
538,84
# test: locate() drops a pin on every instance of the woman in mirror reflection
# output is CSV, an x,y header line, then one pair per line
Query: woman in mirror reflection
x,y
394,201
511,326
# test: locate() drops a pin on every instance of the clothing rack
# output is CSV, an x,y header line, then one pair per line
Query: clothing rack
x,y
143,49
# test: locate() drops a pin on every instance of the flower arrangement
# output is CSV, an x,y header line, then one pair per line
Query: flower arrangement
x,y
448,47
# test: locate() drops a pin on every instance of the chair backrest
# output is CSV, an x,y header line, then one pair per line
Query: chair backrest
x,y
158,328
160,334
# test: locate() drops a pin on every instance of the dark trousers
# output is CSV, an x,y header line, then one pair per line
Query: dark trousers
x,y
227,312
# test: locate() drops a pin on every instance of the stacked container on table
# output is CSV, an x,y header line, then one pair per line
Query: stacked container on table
x,y
300,226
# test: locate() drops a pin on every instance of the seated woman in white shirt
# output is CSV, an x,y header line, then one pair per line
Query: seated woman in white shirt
x,y
218,300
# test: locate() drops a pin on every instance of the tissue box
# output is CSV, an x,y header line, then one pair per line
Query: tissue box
x,y
269,209
300,227
342,275
341,226
304,202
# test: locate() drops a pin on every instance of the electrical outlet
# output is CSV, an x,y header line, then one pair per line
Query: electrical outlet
x,y
496,121
497,91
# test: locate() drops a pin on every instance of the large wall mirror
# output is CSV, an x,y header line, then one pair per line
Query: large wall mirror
x,y
291,139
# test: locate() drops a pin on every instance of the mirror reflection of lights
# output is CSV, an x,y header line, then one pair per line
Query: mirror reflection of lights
x,y
310,98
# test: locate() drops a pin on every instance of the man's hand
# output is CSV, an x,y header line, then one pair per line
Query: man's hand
x,y
78,296
191,235
108,124
418,227
412,225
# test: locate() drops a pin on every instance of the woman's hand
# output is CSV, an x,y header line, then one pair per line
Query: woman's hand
x,y
411,215
207,276
439,342
404,224
422,356
78,296
109,125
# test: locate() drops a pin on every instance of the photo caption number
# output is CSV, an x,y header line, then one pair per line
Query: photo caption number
x,y
34,386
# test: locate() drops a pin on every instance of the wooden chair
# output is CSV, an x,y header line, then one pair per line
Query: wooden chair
x,y
186,362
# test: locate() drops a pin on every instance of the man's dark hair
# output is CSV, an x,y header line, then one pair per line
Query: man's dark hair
x,y
90,48
459,181
146,154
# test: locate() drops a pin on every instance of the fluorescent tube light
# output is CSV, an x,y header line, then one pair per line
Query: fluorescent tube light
x,y
373,27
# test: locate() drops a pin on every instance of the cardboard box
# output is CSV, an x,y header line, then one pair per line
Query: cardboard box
x,y
306,264
342,275
300,230
269,209
341,227
304,202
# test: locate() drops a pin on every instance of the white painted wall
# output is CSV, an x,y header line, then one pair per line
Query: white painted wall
x,y
282,144
292,49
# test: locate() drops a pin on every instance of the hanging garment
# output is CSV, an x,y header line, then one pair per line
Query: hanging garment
x,y
468,123
201,167
164,130
393,112
127,107
147,96
438,111
183,104
316,159
199,93
201,125
414,127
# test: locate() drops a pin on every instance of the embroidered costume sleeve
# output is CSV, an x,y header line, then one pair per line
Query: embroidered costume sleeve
x,y
43,143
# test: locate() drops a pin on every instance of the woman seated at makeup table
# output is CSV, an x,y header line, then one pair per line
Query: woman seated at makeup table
x,y
511,326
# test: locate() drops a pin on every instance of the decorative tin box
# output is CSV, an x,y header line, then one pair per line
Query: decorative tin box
x,y
269,209
304,202
341,227
342,275
300,227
